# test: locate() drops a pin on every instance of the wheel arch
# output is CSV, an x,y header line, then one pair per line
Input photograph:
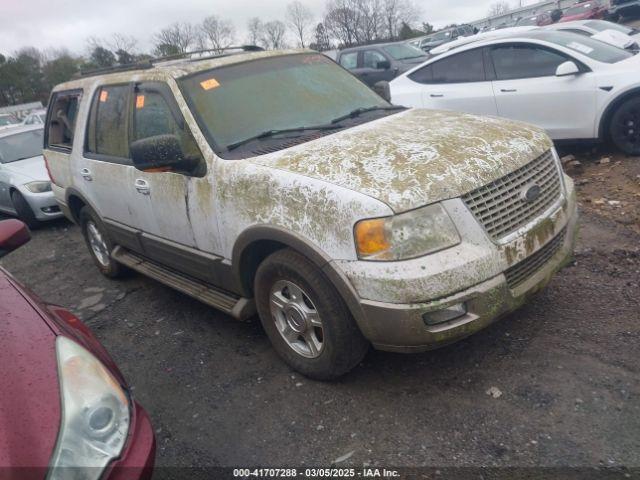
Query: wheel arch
x,y
605,119
75,201
258,242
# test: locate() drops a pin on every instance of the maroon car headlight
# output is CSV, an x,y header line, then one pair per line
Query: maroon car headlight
x,y
95,415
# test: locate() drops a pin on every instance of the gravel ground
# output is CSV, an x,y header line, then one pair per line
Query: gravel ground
x,y
555,384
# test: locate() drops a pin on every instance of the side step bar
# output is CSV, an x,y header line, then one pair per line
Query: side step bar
x,y
239,308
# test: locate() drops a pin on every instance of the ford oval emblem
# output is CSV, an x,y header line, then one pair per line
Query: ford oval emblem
x,y
531,193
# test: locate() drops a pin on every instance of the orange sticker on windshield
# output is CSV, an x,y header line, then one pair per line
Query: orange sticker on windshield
x,y
140,102
104,95
210,84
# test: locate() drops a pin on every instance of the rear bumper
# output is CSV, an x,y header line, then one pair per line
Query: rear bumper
x,y
137,461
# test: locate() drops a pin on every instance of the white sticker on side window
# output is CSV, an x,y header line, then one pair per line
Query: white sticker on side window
x,y
580,47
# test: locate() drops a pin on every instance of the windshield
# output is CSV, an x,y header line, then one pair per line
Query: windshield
x,y
21,145
602,25
579,9
594,49
7,120
441,36
403,51
531,21
240,101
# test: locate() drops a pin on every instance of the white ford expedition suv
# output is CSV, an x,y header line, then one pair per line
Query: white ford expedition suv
x,y
277,183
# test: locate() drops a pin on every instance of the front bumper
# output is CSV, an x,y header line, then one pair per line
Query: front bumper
x,y
138,458
399,326
43,205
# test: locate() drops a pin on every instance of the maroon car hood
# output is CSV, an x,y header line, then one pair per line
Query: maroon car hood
x,y
29,392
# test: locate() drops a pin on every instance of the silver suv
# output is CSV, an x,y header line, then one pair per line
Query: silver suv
x,y
277,183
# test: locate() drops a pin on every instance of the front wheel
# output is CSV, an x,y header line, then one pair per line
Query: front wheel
x,y
624,128
305,318
99,244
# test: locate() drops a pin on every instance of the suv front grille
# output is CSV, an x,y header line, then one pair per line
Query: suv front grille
x,y
500,206
520,272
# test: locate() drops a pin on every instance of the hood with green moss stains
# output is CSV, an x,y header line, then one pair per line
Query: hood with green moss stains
x,y
416,157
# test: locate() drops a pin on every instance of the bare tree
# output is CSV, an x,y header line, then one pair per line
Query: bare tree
x,y
274,34
396,13
300,20
255,28
176,37
498,8
217,33
127,43
341,21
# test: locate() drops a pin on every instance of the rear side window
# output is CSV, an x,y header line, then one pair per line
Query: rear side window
x,y
460,68
61,124
108,122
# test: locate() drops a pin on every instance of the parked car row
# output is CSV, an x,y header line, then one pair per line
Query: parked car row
x,y
573,86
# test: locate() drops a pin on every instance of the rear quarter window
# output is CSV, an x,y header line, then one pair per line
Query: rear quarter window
x,y
60,128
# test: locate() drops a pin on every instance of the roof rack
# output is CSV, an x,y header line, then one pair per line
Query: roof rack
x,y
151,62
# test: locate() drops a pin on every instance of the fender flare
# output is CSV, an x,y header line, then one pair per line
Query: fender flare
x,y
320,259
72,191
611,108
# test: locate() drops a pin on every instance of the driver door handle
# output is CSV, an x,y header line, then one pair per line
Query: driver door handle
x,y
86,174
142,186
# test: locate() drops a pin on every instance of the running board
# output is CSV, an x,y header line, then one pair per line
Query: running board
x,y
239,308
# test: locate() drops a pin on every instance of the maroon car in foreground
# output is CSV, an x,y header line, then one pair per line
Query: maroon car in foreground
x,y
65,408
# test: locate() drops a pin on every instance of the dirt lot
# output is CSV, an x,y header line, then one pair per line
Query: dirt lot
x,y
564,368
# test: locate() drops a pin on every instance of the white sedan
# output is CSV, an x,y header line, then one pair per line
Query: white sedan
x,y
608,32
574,87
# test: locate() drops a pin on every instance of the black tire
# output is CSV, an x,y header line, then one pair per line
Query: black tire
x,y
343,345
108,267
24,211
624,127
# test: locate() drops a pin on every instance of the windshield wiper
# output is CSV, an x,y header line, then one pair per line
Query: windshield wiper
x,y
271,133
359,111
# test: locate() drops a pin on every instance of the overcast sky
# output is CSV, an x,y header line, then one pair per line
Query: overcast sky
x,y
68,23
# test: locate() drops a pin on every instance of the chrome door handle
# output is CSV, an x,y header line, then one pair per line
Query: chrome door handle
x,y
142,186
508,90
86,174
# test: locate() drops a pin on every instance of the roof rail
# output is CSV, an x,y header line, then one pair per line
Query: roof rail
x,y
151,62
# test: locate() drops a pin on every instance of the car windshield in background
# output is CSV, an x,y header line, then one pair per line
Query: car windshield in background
x,y
602,25
403,51
441,36
21,146
7,120
594,49
525,22
238,102
579,9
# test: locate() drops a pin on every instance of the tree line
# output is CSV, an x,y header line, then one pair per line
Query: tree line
x,y
30,74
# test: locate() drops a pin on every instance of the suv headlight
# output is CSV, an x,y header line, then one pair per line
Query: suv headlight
x,y
38,187
405,236
95,415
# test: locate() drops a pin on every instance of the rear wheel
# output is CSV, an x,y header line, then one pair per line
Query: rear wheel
x,y
23,209
305,318
624,128
99,244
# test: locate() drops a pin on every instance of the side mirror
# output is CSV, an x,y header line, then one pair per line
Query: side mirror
x,y
161,152
566,69
383,65
13,234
